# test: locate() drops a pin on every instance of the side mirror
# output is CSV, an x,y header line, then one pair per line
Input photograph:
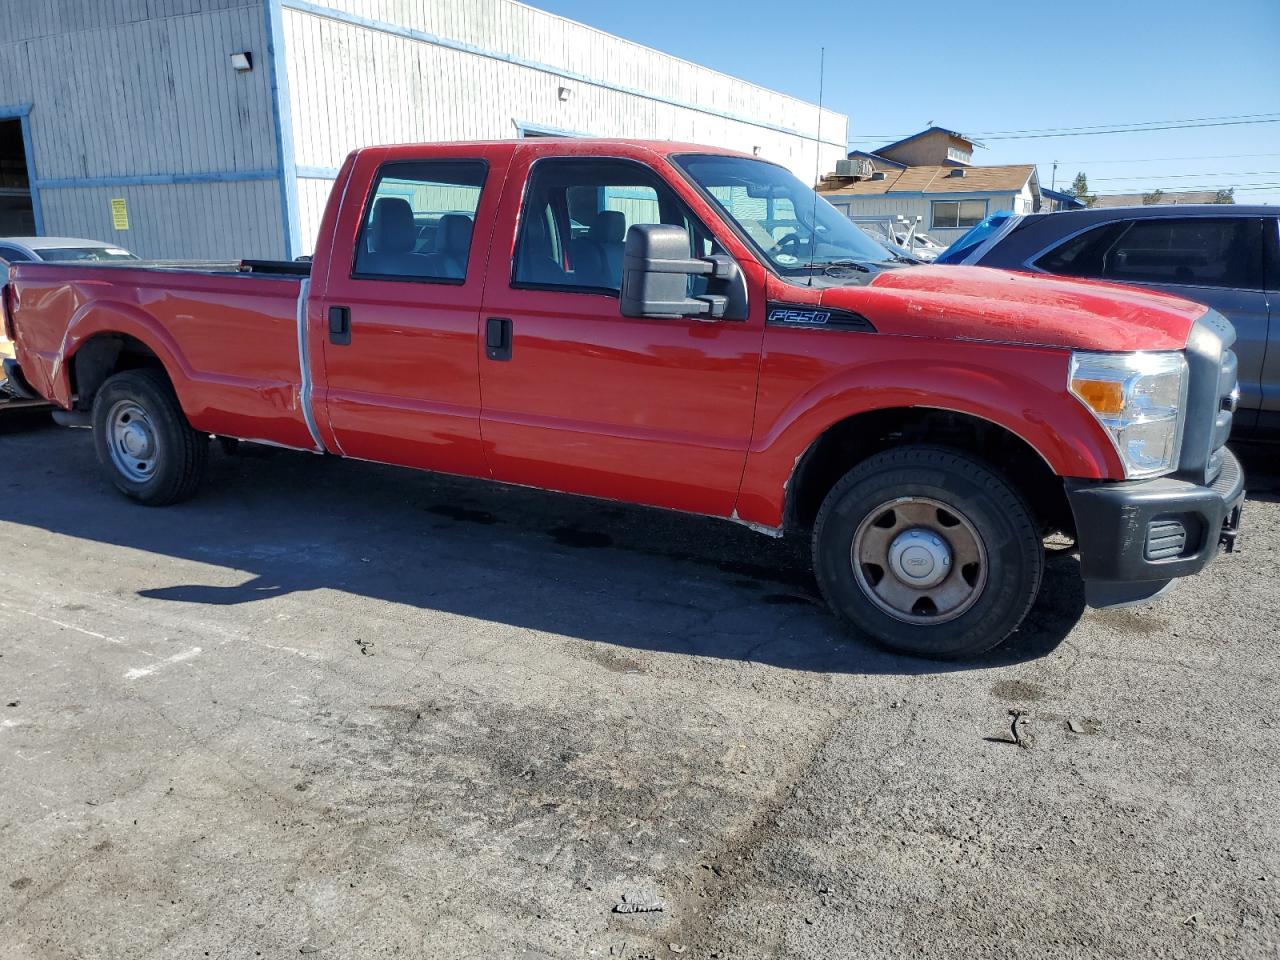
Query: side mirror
x,y
656,267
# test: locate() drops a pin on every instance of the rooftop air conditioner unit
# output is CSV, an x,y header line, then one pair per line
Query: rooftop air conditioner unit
x,y
854,167
877,175
956,172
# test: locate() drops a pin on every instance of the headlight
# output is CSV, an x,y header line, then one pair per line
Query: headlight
x,y
1140,398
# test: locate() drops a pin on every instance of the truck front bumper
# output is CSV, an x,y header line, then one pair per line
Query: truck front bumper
x,y
1136,537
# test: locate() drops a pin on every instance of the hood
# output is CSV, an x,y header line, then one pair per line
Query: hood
x,y
980,303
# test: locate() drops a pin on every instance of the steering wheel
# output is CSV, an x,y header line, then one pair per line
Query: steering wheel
x,y
789,245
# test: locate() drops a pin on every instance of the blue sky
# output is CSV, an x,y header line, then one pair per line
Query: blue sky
x,y
985,66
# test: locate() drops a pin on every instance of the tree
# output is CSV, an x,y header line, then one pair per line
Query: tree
x,y
1225,196
1152,198
1080,190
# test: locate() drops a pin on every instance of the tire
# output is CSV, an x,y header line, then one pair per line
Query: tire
x,y
143,439
958,556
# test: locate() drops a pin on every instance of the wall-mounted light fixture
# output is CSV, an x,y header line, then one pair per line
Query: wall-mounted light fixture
x,y
563,94
755,151
242,62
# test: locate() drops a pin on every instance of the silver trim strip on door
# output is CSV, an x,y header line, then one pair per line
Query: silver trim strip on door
x,y
304,366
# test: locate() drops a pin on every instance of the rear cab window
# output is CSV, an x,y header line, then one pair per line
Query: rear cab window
x,y
419,221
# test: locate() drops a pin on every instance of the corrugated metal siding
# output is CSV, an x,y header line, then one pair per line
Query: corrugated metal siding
x,y
352,85
312,196
204,221
129,88
529,34
28,19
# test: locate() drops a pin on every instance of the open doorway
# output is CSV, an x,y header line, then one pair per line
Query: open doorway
x,y
17,212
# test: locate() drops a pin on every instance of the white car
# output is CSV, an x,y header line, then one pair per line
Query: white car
x,y
51,250
923,247
58,250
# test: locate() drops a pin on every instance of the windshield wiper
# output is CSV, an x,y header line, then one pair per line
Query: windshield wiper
x,y
842,264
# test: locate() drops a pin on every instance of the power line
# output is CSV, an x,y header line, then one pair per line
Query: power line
x,y
1135,123
1195,176
1101,133
1145,126
1190,187
1217,156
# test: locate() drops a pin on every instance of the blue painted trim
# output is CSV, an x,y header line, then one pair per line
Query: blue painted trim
x,y
317,173
917,194
382,26
22,113
286,162
158,179
526,127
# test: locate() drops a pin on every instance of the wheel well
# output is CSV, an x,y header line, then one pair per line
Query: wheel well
x,y
849,442
102,356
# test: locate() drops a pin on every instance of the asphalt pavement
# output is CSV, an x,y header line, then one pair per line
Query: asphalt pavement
x,y
333,709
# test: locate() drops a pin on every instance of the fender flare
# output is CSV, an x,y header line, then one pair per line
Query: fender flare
x,y
1050,421
106,317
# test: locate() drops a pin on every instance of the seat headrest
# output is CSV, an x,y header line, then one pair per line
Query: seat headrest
x,y
610,226
453,235
392,226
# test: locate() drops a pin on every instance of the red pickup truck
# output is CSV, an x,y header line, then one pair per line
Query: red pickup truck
x,y
688,328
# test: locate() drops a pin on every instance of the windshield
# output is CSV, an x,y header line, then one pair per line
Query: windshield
x,y
974,238
58,254
777,213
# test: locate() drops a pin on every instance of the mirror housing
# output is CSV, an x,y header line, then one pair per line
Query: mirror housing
x,y
656,267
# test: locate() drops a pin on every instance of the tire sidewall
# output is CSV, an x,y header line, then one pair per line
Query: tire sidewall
x,y
161,407
1014,552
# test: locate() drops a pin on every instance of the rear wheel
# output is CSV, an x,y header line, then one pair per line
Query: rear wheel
x,y
143,439
929,552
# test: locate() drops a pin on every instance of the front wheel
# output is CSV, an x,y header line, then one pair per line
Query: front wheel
x,y
143,439
928,552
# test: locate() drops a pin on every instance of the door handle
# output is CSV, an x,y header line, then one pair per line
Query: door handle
x,y
497,338
340,325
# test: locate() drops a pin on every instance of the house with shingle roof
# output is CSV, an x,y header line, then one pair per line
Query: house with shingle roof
x,y
947,199
1164,197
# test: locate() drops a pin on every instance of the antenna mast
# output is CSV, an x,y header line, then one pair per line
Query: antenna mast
x,y
817,165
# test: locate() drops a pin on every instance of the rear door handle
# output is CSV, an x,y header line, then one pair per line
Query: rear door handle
x,y
497,338
340,325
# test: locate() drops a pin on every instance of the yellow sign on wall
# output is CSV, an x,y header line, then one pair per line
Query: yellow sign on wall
x,y
119,214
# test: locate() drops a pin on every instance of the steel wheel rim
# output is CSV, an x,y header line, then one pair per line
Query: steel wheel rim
x,y
132,441
919,560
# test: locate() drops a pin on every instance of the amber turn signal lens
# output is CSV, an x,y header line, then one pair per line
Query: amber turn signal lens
x,y
1105,397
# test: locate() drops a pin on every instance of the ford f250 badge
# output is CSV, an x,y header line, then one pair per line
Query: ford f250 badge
x,y
788,315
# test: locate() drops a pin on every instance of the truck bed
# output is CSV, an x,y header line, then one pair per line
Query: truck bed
x,y
228,333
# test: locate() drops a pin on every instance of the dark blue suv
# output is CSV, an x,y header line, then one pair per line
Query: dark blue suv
x,y
1224,256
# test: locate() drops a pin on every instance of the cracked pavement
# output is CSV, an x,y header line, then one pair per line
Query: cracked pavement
x,y
342,710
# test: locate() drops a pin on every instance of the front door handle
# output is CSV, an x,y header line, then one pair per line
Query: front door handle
x,y
340,325
497,338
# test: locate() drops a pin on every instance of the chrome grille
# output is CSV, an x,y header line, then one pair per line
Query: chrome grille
x,y
1228,396
1211,397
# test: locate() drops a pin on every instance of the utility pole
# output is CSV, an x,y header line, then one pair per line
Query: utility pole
x,y
1053,183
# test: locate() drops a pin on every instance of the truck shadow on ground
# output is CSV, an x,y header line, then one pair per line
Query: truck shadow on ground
x,y
602,572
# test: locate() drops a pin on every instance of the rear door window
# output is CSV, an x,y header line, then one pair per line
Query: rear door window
x,y
419,221
1271,241
1195,251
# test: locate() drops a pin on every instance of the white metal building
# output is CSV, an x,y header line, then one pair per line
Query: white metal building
x,y
216,155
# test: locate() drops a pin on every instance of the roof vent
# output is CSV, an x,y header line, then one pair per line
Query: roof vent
x,y
956,172
877,175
